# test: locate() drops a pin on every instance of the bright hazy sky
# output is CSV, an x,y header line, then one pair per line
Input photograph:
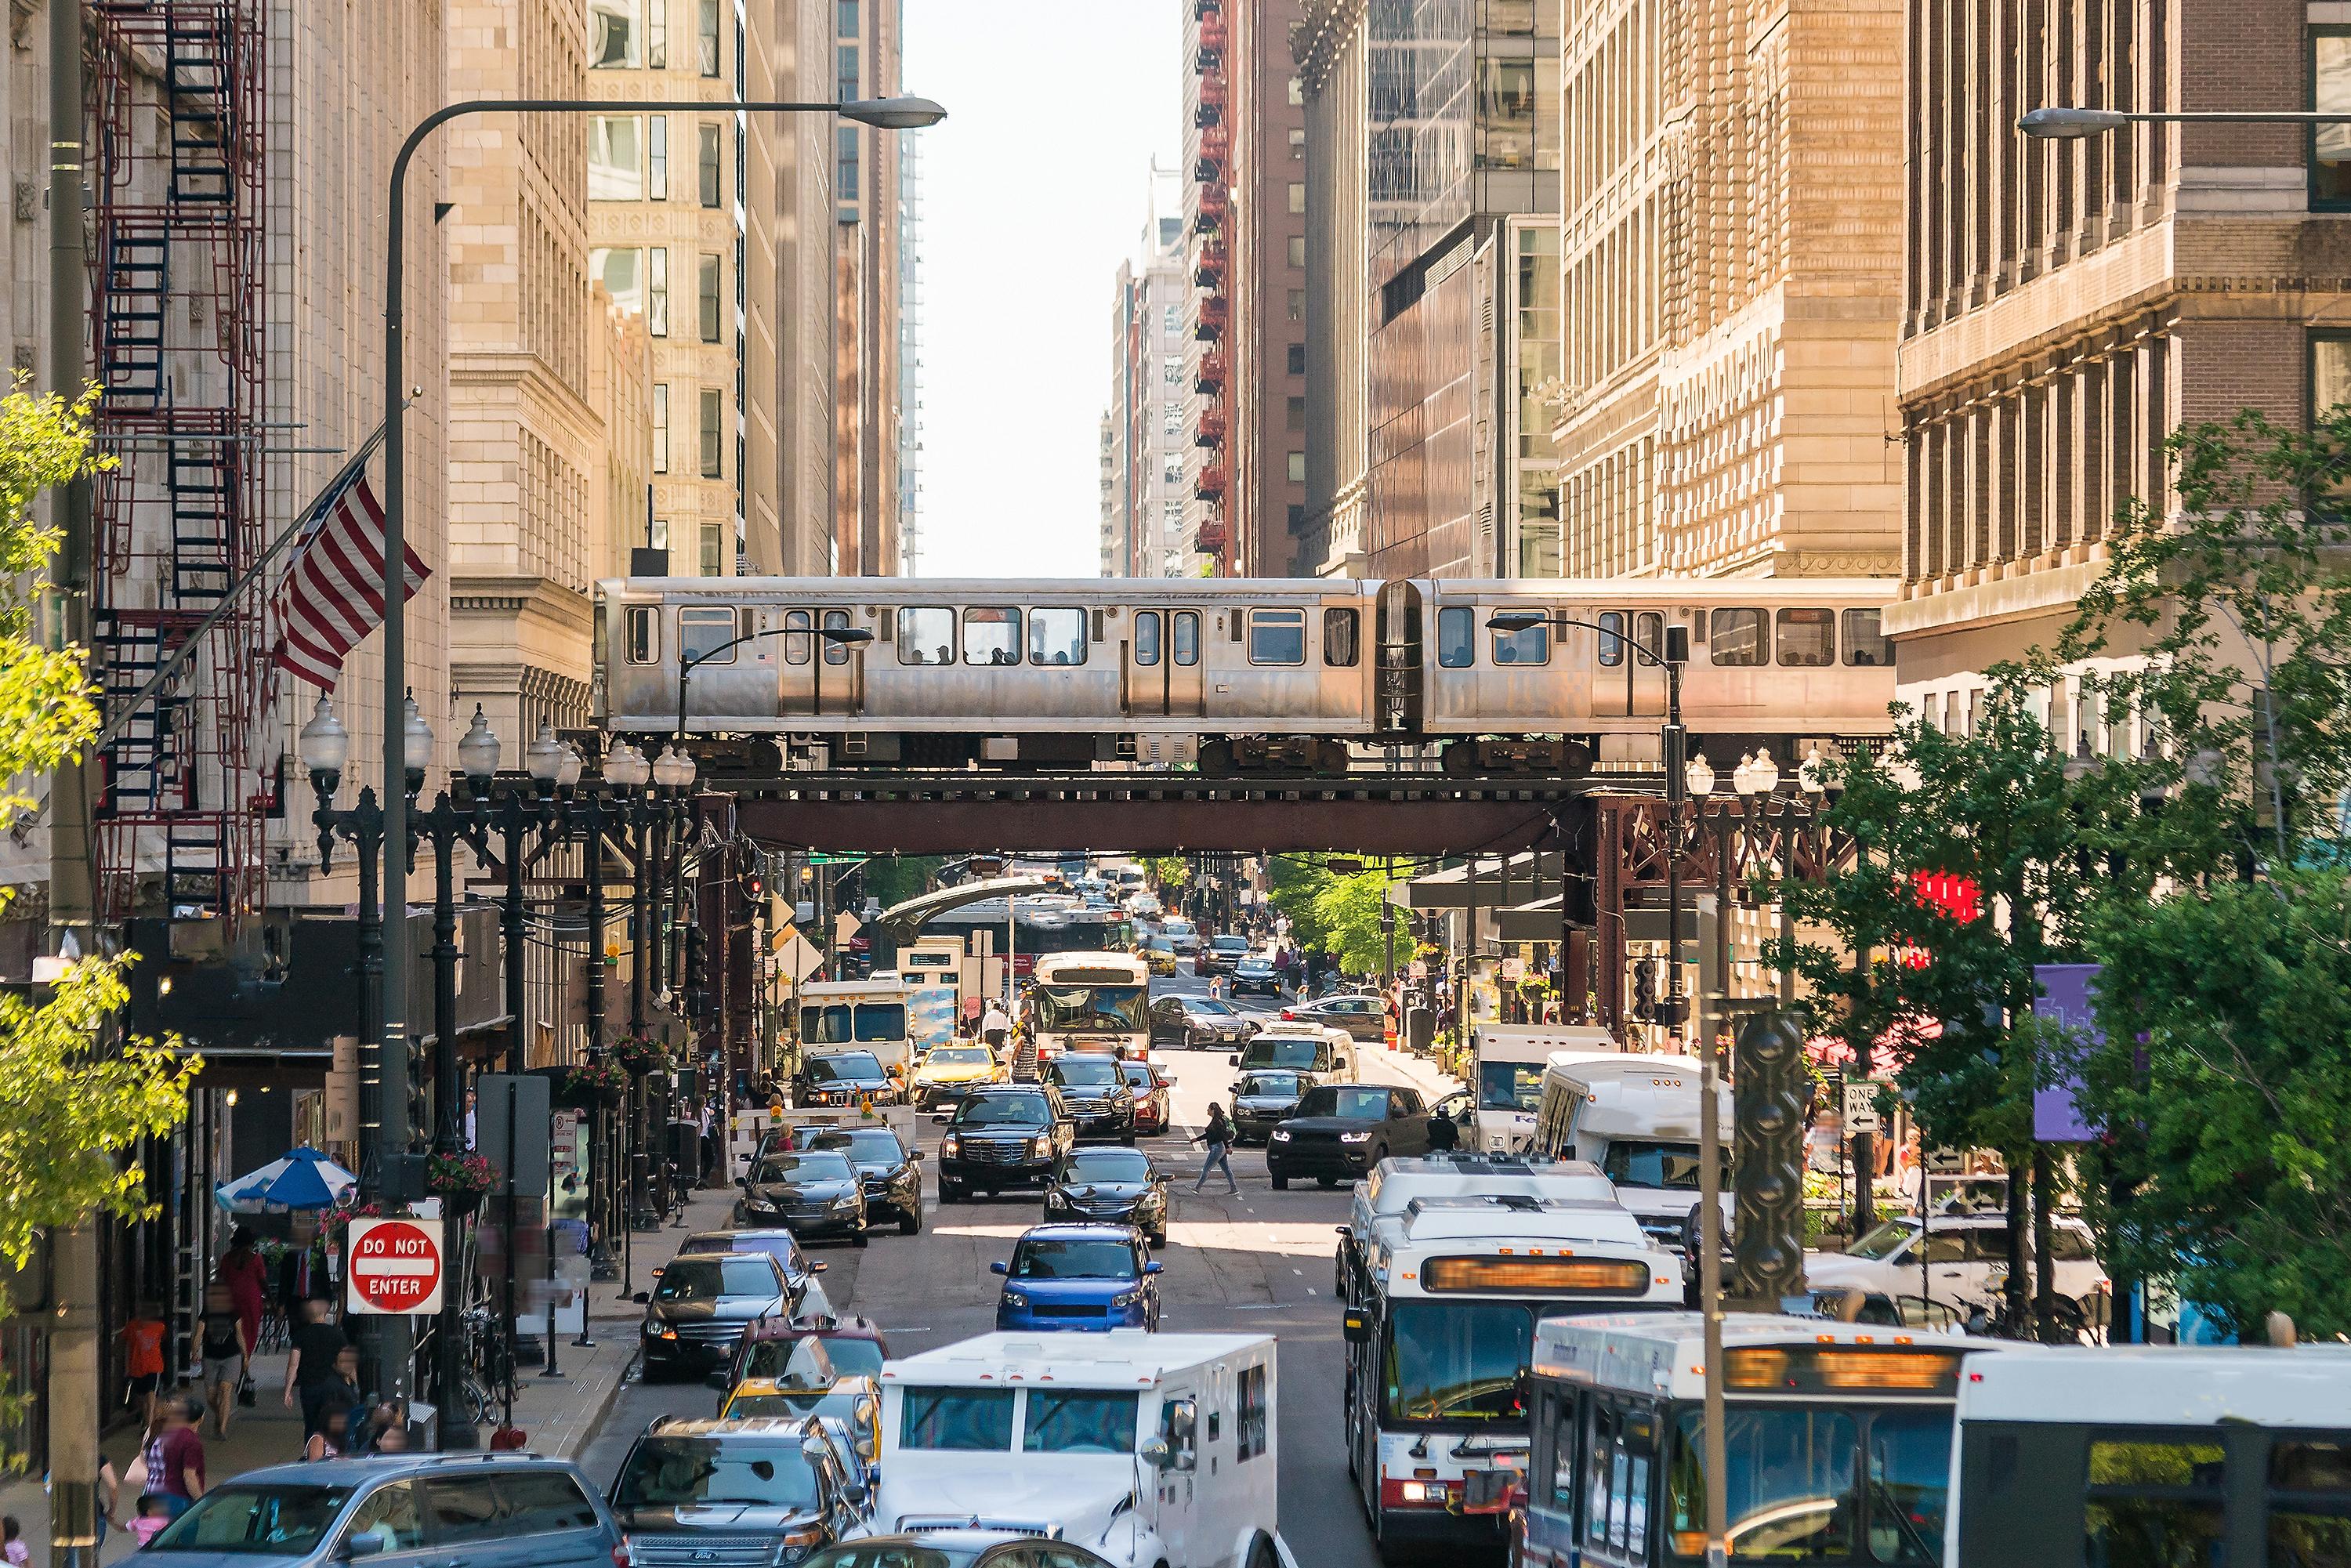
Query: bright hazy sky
x,y
1034,188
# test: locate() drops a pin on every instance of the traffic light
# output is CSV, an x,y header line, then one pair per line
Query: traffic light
x,y
1645,990
1767,1155
416,1081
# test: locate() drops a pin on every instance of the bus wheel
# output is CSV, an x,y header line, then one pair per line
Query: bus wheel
x,y
1261,1554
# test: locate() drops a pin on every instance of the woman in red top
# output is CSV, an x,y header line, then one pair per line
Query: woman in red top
x,y
246,1276
143,1356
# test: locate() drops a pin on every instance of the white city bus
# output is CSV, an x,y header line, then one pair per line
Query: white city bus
x,y
1511,1060
1438,1339
1837,1437
1635,1116
1091,1001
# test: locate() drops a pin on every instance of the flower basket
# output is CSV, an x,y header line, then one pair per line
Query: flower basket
x,y
640,1056
599,1081
460,1182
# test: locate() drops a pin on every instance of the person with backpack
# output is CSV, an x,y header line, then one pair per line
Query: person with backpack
x,y
1218,1135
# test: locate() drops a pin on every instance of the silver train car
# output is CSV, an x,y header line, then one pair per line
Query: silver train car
x,y
1235,674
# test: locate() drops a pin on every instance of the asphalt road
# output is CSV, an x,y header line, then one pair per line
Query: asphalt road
x,y
1257,1262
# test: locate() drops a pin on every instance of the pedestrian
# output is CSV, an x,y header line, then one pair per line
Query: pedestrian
x,y
12,1542
1444,1138
391,1427
1219,1136
174,1453
247,1274
338,1391
316,1345
143,1358
154,1513
327,1442
224,1353
995,1024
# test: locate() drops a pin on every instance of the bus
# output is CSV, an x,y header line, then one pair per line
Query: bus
x,y
1093,1001
1438,1339
1635,1116
1509,1060
2113,1457
1837,1439
1042,922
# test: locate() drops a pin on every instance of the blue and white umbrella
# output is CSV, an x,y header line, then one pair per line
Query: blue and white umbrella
x,y
304,1178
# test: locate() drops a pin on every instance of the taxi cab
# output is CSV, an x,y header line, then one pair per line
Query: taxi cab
x,y
949,1071
855,1402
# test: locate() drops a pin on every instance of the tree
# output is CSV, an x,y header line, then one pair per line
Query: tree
x,y
75,1100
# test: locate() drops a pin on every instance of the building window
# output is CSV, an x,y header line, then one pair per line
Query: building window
x,y
657,535
2330,371
621,274
657,41
845,21
1297,92
706,297
705,164
1171,321
714,550
714,441
660,427
1297,358
2330,145
1298,195
845,153
1298,468
1171,418
657,291
705,36
616,158
1297,518
1297,305
657,157
1171,471
1298,142
845,67
1297,250
1297,415
1171,370
616,34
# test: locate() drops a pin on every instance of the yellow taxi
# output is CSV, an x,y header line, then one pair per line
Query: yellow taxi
x,y
949,1071
1159,952
855,1402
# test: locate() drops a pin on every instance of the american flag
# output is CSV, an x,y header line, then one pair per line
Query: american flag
x,y
334,589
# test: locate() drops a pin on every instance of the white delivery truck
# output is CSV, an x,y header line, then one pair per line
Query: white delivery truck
x,y
1635,1116
1143,1448
1511,1058
862,1015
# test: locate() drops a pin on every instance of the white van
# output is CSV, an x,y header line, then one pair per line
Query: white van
x,y
869,1015
1329,1054
1143,1448
1635,1116
1511,1058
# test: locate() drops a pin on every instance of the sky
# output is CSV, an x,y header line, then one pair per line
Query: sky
x,y
1034,189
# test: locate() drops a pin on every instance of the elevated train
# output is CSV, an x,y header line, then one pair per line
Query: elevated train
x,y
1237,674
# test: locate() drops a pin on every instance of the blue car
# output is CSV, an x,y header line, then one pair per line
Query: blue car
x,y
1078,1277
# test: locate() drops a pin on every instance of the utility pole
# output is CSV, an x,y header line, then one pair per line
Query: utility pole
x,y
73,1333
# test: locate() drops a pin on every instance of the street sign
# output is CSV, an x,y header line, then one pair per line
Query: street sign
x,y
504,1100
1861,1108
845,926
798,958
395,1267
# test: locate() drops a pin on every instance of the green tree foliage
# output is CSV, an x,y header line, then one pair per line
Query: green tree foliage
x,y
894,879
1166,871
73,1106
1333,913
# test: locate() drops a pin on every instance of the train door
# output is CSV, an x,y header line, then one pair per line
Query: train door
x,y
1623,684
1400,691
1161,672
816,676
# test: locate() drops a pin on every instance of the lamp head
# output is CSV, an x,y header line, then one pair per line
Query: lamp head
x,y
1700,776
894,113
415,742
477,749
323,746
1516,620
844,636
673,769
1812,773
2070,124
626,767
567,766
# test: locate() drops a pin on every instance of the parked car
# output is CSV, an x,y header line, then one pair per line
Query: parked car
x,y
844,1078
1008,1135
1255,975
1342,1129
948,1072
1095,1093
856,1345
1963,1254
800,1270
693,1489
327,1514
957,1549
1078,1277
1218,954
1363,1017
1121,1186
891,1173
701,1303
812,1193
854,1402
1149,1086
1262,1100
1196,1023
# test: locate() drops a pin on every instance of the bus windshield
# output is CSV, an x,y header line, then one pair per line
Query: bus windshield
x,y
1510,1085
1119,1008
1457,1360
1636,1162
1808,1484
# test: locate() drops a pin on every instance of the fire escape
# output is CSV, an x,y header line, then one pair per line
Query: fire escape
x,y
178,125
1212,313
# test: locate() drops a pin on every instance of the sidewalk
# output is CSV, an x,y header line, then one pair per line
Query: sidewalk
x,y
1434,1082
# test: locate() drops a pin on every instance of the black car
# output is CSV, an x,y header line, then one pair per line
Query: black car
x,y
1255,975
844,1078
700,1305
775,1241
810,1192
891,1175
1196,1023
1119,1186
1261,1101
701,1492
1095,1094
1343,1130
1218,954
1007,1135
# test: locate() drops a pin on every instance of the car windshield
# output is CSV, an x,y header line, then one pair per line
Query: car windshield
x,y
1061,1009
848,1065
776,1244
1274,1084
851,1404
851,1357
1159,944
1300,1055
708,1278
1139,1074
1084,1258
1212,1006
702,1472
263,1520
1510,1085
816,1165
1110,1165
1079,1421
1885,1241
1229,943
869,1145
1672,1166
1003,1111
845,1023
891,1556
1084,1071
1265,964
960,1056
1367,1105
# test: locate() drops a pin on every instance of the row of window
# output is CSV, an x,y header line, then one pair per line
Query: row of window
x,y
1736,638
638,281
710,409
634,35
628,159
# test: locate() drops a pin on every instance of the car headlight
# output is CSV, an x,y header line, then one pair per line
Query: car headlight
x,y
844,1205
1126,1298
1040,1148
1015,1299
1055,1200
950,1146
1352,1137
659,1331
1281,1134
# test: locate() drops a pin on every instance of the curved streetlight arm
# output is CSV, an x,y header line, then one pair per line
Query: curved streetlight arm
x,y
840,636
1625,637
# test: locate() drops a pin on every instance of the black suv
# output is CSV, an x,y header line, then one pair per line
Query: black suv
x,y
1004,1136
1095,1094
696,1314
1219,953
893,1175
770,1489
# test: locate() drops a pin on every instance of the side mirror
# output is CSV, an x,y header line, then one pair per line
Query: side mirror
x,y
1357,1326
1233,1061
365,1543
999,1267
718,1380
1153,1268
641,1297
1157,1454
854,1494
819,1266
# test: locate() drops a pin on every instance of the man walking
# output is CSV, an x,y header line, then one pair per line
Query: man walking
x,y
1218,1135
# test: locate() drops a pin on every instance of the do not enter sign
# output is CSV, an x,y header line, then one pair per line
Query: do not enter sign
x,y
395,1267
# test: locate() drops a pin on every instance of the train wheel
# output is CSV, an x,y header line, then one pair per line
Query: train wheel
x,y
1217,757
1333,756
1461,759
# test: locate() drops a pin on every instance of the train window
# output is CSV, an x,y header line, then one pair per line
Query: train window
x,y
1098,625
991,636
1456,644
1807,638
1184,633
1530,646
797,625
1741,637
641,640
701,632
1146,638
927,636
1341,638
1277,636
836,653
1649,632
1057,636
1864,644
1612,638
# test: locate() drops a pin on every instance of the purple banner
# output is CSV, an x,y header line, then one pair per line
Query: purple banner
x,y
2065,1000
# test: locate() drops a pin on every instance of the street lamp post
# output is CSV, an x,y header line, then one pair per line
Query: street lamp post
x,y
838,636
